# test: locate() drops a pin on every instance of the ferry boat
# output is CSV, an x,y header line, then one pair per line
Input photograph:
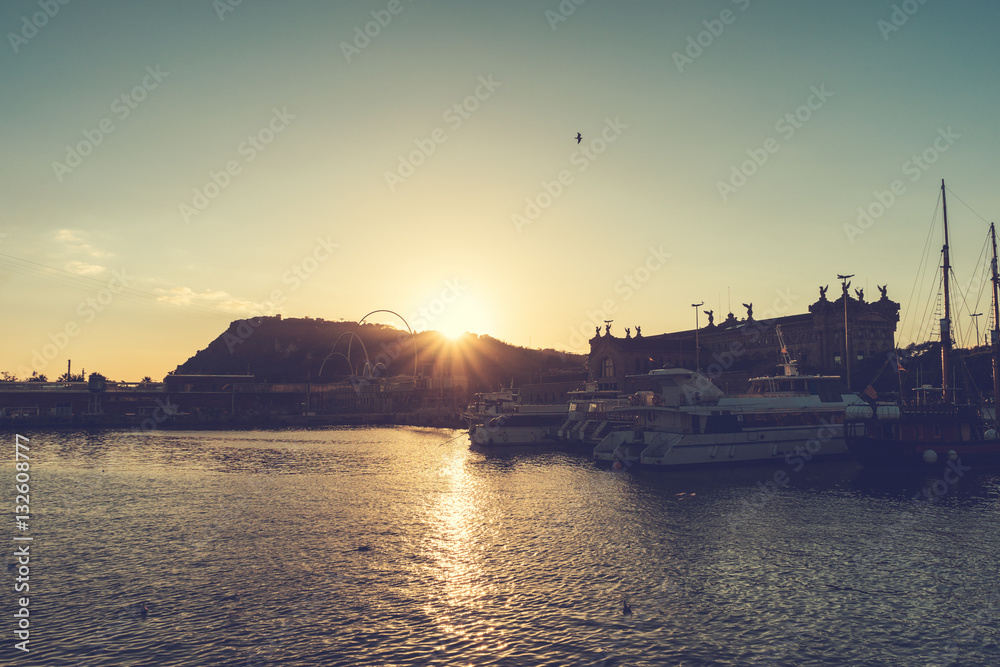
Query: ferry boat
x,y
690,421
935,429
528,425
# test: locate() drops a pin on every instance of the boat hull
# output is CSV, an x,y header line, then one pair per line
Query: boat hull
x,y
658,448
911,454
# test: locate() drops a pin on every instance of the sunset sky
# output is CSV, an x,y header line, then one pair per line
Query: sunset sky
x,y
169,167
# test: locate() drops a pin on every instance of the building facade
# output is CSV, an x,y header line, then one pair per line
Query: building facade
x,y
736,349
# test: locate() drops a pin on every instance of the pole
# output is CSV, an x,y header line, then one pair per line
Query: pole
x,y
995,333
946,321
847,346
697,348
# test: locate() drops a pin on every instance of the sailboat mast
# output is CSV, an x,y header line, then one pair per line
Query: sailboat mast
x,y
995,333
946,321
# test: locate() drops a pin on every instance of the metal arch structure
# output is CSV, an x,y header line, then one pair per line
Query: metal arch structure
x,y
413,337
368,368
346,357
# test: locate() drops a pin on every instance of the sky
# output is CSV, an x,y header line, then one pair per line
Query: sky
x,y
172,166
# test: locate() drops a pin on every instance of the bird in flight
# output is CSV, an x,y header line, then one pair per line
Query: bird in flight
x,y
578,138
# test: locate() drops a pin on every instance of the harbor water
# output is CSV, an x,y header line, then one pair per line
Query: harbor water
x,y
403,546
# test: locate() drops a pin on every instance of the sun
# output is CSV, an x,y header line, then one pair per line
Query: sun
x,y
452,333
466,314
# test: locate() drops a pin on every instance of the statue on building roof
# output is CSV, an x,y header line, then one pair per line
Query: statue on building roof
x,y
638,331
597,332
861,294
628,332
711,317
883,289
822,293
749,307
607,329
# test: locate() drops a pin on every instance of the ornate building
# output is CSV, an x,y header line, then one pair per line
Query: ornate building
x,y
736,349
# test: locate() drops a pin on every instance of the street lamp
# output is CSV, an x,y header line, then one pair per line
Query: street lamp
x,y
847,347
697,349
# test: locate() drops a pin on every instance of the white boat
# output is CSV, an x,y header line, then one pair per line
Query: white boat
x,y
529,425
592,414
486,406
690,421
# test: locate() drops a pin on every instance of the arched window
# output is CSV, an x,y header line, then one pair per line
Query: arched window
x,y
609,368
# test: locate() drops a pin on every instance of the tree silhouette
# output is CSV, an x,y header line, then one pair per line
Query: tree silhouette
x,y
35,377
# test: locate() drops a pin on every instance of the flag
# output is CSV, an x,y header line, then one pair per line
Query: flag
x,y
870,392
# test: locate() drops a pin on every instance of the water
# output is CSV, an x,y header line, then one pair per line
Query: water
x,y
400,546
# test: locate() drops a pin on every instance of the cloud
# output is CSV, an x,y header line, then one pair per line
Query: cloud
x,y
218,299
74,241
83,269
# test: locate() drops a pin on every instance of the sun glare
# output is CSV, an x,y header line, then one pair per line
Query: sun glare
x,y
466,315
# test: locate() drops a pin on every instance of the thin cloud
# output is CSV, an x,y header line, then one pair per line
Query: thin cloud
x,y
218,299
73,240
84,269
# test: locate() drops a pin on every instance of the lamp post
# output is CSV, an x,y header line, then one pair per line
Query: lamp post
x,y
975,318
697,349
847,346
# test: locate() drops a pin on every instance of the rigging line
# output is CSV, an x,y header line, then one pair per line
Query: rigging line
x,y
981,267
924,257
966,205
959,312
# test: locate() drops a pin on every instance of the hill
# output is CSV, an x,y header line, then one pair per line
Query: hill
x,y
315,350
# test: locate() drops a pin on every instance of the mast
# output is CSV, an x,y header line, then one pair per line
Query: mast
x,y
995,333
946,321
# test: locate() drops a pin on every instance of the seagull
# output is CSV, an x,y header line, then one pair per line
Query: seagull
x,y
578,138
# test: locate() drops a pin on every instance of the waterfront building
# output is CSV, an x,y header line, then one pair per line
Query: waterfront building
x,y
734,350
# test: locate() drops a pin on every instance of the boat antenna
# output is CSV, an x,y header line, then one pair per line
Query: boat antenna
x,y
946,320
995,332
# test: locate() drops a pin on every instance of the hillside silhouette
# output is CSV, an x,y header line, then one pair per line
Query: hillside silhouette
x,y
273,349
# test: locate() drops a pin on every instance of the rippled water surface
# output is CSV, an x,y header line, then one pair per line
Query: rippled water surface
x,y
401,546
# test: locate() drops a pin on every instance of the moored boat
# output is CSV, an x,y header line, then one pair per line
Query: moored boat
x,y
528,425
690,421
935,428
